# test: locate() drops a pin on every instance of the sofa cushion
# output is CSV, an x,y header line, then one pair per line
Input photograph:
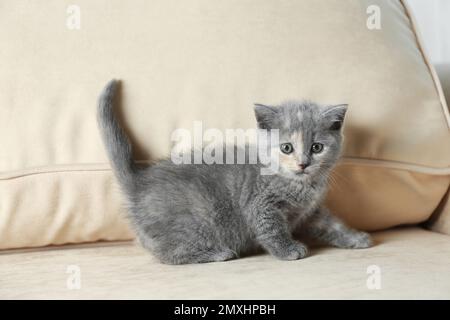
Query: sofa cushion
x,y
440,220
209,60
409,263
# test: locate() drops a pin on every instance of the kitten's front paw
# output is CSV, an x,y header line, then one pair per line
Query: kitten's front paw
x,y
294,251
361,240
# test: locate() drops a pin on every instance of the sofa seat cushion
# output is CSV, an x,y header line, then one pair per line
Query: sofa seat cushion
x,y
413,263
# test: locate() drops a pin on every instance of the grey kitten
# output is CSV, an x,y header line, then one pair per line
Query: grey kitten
x,y
194,213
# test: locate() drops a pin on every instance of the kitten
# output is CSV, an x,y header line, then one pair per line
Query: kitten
x,y
194,213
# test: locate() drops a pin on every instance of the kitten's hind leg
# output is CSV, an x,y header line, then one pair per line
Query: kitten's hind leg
x,y
224,255
200,255
328,229
185,248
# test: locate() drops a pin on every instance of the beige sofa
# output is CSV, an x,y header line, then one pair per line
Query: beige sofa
x,y
62,231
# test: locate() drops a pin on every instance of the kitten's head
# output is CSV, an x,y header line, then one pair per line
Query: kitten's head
x,y
310,136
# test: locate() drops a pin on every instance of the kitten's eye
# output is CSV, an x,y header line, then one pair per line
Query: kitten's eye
x,y
286,148
316,147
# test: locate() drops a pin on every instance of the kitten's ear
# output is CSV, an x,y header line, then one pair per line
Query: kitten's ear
x,y
265,115
334,116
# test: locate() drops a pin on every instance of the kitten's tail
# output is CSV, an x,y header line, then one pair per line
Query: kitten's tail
x,y
116,142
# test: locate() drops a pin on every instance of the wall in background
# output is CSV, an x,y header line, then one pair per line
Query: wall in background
x,y
433,19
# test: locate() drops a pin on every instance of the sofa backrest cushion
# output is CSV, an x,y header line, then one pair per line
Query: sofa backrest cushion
x,y
209,60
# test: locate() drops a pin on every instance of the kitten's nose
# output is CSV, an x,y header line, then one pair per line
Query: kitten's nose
x,y
302,166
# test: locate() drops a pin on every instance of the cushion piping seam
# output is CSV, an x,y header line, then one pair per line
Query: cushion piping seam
x,y
97,167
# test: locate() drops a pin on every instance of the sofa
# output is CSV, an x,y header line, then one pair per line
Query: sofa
x,y
63,227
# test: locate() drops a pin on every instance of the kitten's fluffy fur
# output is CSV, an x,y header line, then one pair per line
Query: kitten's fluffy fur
x,y
203,213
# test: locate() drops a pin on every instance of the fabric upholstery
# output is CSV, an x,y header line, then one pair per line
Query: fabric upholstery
x,y
412,264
